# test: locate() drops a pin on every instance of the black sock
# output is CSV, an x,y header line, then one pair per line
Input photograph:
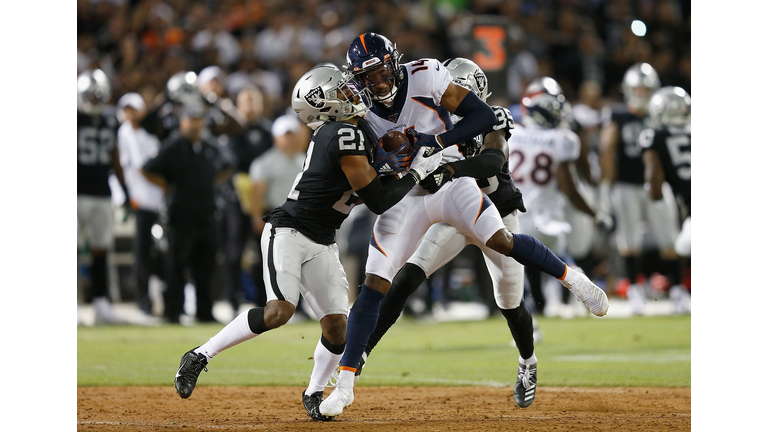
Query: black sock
x,y
520,324
405,283
99,276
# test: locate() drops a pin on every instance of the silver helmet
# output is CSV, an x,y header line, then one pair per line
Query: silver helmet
x,y
639,83
467,74
93,90
324,94
543,109
182,88
670,106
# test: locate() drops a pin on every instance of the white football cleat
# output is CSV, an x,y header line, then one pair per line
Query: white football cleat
x,y
587,292
340,398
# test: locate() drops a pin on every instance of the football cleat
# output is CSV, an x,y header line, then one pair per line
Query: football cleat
x,y
192,364
340,398
525,387
312,405
588,293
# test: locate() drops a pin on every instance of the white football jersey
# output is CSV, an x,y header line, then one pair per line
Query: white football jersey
x,y
534,154
417,105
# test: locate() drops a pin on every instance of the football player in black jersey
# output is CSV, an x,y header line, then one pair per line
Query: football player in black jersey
x,y
621,184
97,158
667,158
299,245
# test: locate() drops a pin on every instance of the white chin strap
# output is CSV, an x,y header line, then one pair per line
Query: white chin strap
x,y
388,99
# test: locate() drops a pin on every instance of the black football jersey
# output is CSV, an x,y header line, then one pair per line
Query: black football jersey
x,y
96,140
673,145
501,188
321,197
249,145
629,159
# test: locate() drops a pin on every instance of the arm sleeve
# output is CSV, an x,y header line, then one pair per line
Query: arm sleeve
x,y
380,198
488,163
477,117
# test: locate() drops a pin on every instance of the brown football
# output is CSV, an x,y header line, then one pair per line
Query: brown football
x,y
392,140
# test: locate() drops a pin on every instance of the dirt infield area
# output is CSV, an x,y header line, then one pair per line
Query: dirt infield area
x,y
385,409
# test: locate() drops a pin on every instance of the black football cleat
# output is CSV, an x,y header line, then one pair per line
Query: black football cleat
x,y
525,387
186,377
312,405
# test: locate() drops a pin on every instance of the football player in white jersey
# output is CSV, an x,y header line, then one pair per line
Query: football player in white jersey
x,y
621,182
542,158
443,242
418,98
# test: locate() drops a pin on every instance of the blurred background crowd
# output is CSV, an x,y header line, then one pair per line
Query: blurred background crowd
x,y
244,57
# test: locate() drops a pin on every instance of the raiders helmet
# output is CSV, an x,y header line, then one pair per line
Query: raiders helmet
x,y
373,59
325,94
467,74
93,90
670,106
639,83
182,89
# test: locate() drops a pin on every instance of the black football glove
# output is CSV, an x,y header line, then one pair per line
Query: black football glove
x,y
436,179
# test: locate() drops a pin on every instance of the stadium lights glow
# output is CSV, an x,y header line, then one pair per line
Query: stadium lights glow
x,y
638,28
157,231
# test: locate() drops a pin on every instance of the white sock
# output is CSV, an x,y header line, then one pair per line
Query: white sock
x,y
346,378
235,332
325,364
528,362
570,278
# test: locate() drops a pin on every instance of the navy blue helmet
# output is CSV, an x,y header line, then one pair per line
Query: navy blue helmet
x,y
374,63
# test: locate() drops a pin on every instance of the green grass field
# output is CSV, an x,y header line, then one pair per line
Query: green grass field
x,y
640,351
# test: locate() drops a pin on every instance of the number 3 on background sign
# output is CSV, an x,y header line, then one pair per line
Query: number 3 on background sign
x,y
491,56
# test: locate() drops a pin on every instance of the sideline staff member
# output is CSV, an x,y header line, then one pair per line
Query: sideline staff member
x,y
190,169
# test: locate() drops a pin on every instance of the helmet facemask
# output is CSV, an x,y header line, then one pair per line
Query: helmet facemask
x,y
329,101
380,81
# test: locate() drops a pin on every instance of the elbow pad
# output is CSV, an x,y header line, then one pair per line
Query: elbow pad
x,y
487,164
477,117
380,198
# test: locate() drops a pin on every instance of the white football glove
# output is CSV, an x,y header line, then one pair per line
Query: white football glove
x,y
422,165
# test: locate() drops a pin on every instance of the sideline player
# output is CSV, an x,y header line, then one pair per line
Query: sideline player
x,y
543,157
301,255
621,181
667,158
97,157
420,96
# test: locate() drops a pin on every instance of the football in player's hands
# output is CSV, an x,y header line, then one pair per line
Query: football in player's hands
x,y
395,140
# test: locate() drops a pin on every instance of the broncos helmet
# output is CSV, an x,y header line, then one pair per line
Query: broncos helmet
x,y
467,74
670,106
550,86
325,94
374,63
639,83
93,90
182,88
543,109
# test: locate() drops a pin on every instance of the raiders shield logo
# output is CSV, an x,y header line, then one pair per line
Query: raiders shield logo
x,y
481,81
314,97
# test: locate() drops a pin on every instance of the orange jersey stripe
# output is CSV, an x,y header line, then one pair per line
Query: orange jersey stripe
x,y
438,114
